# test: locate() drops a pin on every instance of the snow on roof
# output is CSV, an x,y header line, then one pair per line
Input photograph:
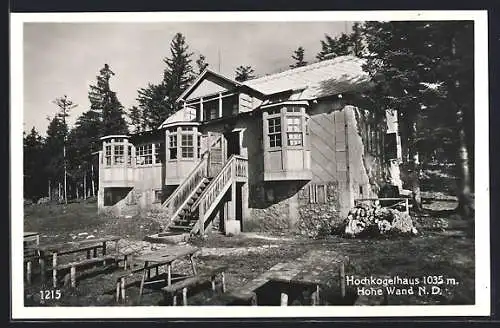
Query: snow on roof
x,y
184,115
325,78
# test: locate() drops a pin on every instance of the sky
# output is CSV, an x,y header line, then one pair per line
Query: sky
x,y
65,58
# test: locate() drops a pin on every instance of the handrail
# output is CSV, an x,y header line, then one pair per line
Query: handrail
x,y
174,201
234,167
186,187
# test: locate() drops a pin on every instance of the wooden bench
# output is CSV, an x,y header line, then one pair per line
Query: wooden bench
x,y
77,264
174,289
121,283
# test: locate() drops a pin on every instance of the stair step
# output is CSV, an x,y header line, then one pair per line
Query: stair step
x,y
176,227
181,221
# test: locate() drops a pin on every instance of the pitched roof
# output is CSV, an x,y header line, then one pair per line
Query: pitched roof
x,y
200,78
325,78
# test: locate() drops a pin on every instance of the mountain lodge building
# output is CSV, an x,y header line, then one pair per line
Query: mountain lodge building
x,y
261,153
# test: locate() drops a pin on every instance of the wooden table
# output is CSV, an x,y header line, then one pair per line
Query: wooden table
x,y
56,250
164,257
315,268
31,237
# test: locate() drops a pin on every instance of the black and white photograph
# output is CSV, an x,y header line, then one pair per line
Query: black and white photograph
x,y
250,164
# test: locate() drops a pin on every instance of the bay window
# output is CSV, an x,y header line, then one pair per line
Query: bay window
x,y
286,156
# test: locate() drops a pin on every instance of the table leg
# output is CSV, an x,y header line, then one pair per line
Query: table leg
x,y
103,248
142,284
192,264
223,282
284,299
118,291
184,296
41,261
54,270
73,277
122,287
88,253
157,270
342,278
28,272
169,274
95,251
213,283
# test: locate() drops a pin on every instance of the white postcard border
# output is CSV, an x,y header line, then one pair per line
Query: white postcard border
x,y
482,240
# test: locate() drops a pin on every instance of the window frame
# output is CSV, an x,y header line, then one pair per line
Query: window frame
x,y
274,137
189,148
144,151
172,146
297,131
119,154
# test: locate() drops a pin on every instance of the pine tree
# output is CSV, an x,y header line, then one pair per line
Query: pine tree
x,y
201,64
338,46
65,105
298,56
105,102
34,179
178,74
356,40
398,64
244,73
158,101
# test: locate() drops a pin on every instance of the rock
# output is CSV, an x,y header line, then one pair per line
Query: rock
x,y
364,220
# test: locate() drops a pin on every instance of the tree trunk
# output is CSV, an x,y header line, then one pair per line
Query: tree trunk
x,y
50,192
414,167
465,203
92,179
85,184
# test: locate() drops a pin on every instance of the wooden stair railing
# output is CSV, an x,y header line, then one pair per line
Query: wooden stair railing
x,y
235,167
184,191
181,195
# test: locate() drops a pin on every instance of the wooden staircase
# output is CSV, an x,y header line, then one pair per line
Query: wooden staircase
x,y
185,219
193,202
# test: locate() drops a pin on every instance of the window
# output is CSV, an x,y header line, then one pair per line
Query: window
x,y
129,153
145,154
108,155
158,146
119,152
187,150
294,131
293,109
172,146
275,132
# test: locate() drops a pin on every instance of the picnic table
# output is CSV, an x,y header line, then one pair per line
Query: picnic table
x,y
31,237
90,247
314,269
155,260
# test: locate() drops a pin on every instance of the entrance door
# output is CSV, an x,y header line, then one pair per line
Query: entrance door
x,y
233,143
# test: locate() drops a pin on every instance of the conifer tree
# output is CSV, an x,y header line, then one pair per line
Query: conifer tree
x,y
244,73
298,56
